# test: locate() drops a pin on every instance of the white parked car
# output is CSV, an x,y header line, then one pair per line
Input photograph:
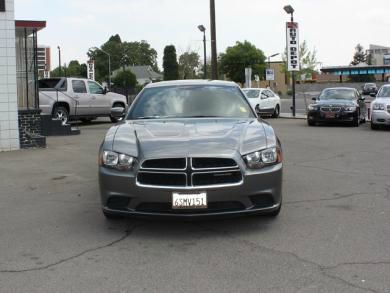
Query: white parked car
x,y
380,108
263,101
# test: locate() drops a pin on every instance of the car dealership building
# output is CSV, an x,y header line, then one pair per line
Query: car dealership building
x,y
20,121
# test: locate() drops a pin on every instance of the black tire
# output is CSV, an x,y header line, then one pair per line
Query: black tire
x,y
374,126
276,112
311,123
113,119
61,113
356,121
110,216
257,109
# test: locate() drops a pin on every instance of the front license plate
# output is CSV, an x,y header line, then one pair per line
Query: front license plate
x,y
189,200
330,115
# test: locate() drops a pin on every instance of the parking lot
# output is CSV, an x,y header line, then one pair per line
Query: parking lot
x,y
333,234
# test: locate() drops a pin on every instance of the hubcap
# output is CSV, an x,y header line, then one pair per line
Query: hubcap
x,y
61,115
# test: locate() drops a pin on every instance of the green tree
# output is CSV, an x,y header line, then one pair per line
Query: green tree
x,y
125,79
170,65
307,60
73,69
360,56
122,53
237,58
188,65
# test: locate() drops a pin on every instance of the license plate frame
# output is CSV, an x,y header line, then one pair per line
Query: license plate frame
x,y
189,200
330,115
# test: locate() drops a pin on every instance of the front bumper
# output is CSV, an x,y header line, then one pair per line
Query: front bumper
x,y
319,116
259,193
380,117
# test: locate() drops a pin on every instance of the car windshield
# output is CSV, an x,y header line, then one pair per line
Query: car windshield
x,y
370,85
384,92
252,94
337,94
191,101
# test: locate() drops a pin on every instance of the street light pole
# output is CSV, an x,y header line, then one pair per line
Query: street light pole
x,y
269,65
290,10
109,65
203,29
214,64
59,60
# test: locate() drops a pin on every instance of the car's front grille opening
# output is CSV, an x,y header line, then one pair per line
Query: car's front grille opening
x,y
162,179
166,207
211,163
331,109
173,163
216,178
262,200
118,202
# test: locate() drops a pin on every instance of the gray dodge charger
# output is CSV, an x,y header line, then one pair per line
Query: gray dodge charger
x,y
190,149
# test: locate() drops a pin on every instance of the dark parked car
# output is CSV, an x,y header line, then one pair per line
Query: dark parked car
x,y
338,105
190,149
370,89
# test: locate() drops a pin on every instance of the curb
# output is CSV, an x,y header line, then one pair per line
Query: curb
x,y
289,116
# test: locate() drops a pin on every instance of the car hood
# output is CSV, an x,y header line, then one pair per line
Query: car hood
x,y
192,137
336,102
382,100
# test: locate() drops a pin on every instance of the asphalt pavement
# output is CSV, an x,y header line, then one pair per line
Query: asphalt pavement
x,y
333,234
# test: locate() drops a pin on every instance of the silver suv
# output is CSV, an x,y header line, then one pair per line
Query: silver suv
x,y
70,98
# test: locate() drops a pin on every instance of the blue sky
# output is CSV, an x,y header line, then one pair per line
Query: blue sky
x,y
333,27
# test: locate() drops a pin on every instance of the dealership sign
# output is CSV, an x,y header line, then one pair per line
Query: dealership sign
x,y
292,46
91,69
269,74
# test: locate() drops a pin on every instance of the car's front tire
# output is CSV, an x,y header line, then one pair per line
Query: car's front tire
x,y
276,112
311,123
61,113
356,120
374,126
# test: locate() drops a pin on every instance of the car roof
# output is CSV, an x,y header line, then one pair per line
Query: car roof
x,y
339,88
255,88
191,82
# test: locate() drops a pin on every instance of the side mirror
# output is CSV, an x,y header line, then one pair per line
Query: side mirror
x,y
118,112
372,95
105,90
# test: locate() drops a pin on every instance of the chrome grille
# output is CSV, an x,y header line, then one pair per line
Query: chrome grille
x,y
189,173
330,109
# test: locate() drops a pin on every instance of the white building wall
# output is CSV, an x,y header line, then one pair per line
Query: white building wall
x,y
9,133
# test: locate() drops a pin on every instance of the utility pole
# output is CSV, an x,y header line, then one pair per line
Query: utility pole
x,y
59,60
214,65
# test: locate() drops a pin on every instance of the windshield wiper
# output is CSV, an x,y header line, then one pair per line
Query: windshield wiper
x,y
201,116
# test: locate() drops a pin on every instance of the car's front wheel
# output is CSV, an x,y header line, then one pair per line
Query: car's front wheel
x,y
311,123
374,126
61,113
276,112
356,120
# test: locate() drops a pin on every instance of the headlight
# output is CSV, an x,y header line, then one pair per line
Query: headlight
x,y
313,107
378,106
350,109
263,158
117,161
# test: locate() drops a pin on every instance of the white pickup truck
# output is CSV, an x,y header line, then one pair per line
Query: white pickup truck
x,y
77,98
